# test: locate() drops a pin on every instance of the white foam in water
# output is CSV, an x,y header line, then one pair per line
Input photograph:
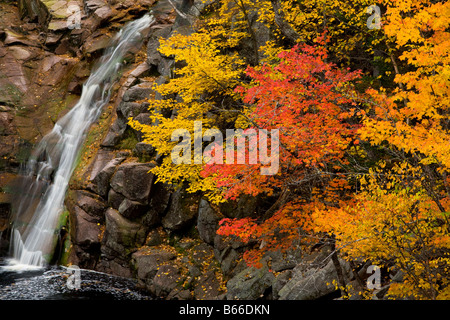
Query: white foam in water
x,y
51,166
29,260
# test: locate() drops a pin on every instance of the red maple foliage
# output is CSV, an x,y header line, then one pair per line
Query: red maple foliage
x,y
309,101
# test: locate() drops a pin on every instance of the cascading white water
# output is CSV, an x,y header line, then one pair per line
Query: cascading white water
x,y
50,167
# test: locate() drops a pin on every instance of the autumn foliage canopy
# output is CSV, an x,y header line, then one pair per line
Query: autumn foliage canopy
x,y
363,122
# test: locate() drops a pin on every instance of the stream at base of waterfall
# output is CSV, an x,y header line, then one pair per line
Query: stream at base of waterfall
x,y
57,283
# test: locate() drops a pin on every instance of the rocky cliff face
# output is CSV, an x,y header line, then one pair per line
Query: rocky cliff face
x,y
44,59
120,220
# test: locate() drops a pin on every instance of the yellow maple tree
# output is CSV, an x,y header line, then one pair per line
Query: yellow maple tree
x,y
400,216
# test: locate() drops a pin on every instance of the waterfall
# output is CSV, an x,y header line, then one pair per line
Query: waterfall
x,y
48,171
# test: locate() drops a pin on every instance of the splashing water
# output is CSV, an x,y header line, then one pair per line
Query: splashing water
x,y
48,171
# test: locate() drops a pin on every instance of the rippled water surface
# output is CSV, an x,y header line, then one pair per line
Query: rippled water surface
x,y
52,284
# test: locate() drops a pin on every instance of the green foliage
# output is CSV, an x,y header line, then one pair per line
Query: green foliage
x,y
128,140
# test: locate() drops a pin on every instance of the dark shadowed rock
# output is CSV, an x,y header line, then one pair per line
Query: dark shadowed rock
x,y
132,209
230,261
133,181
165,67
250,284
245,206
142,149
142,118
101,160
281,281
137,93
166,279
35,10
156,33
91,203
115,199
85,229
207,222
201,253
115,133
103,177
146,262
121,234
129,109
7,126
313,284
207,286
113,265
158,203
182,211
154,238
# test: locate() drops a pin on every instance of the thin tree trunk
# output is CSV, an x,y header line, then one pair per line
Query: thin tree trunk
x,y
281,22
338,267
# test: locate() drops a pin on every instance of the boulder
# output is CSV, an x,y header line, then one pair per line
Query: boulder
x,y
92,5
7,126
142,118
132,209
138,93
96,43
11,37
166,279
207,286
103,14
245,206
121,234
35,10
141,70
142,149
91,203
182,211
280,282
165,68
115,199
115,133
314,283
85,229
127,109
134,181
116,266
228,259
14,82
58,25
201,253
101,160
146,261
207,222
156,33
280,261
229,252
103,177
154,238
20,53
157,205
250,284
52,39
